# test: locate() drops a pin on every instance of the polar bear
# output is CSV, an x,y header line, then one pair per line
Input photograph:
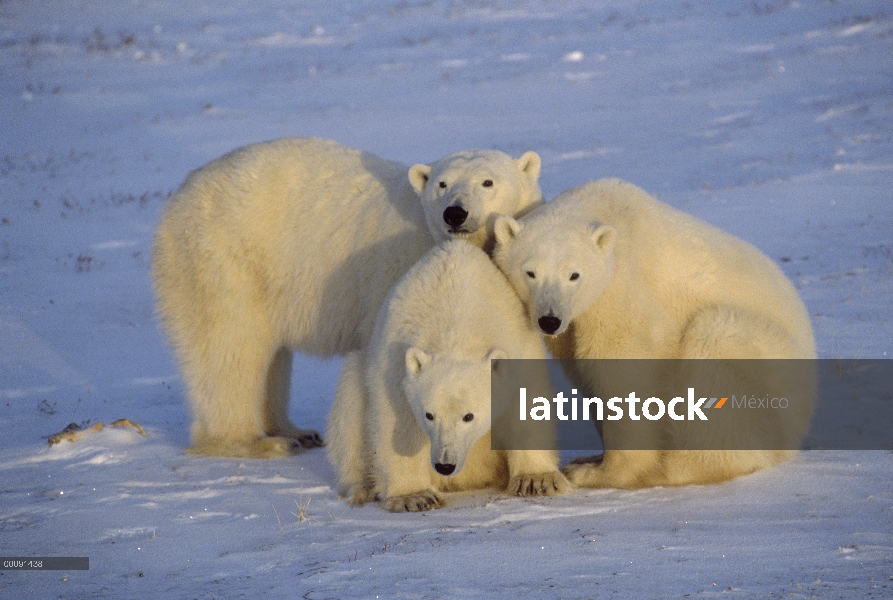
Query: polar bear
x,y
412,413
607,271
293,244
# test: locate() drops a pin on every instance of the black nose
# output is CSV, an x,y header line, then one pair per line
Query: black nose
x,y
444,469
549,324
454,215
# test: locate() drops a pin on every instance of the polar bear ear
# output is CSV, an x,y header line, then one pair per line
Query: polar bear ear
x,y
505,228
530,164
604,237
416,359
418,177
495,354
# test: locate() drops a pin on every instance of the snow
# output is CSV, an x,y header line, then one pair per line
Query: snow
x,y
773,120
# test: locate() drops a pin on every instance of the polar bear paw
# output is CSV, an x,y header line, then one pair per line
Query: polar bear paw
x,y
586,472
308,438
305,438
420,501
359,494
259,447
552,483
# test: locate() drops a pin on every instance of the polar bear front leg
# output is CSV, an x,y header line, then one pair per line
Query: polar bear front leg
x,y
402,468
347,448
400,449
535,473
409,486
407,481
277,394
226,377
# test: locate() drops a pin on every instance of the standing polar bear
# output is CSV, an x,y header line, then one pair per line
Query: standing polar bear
x,y
412,413
613,273
293,244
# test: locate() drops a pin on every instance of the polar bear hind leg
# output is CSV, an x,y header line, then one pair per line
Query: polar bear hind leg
x,y
726,332
715,332
625,469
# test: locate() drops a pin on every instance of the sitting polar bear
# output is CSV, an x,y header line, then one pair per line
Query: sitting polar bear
x,y
412,413
613,273
294,244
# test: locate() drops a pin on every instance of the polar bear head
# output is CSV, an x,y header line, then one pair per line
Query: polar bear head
x,y
451,401
558,265
462,193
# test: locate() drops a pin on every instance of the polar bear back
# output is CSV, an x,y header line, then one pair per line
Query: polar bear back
x,y
248,219
455,301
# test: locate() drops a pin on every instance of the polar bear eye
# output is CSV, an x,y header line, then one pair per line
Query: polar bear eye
x,y
442,185
488,183
468,418
429,416
575,276
531,274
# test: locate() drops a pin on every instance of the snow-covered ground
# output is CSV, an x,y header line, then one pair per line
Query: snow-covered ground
x,y
773,120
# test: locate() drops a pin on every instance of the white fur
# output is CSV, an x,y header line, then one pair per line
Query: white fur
x,y
652,282
409,396
294,244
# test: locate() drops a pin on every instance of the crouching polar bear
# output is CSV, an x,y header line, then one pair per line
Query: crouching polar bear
x,y
613,273
412,413
293,244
